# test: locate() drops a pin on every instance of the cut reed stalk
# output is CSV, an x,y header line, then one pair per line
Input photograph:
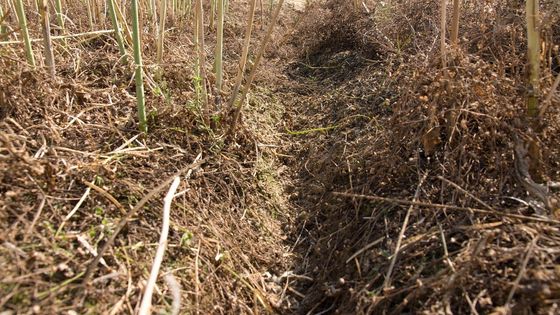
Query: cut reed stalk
x,y
218,56
140,100
212,13
160,37
3,28
116,27
47,42
60,18
455,23
443,24
90,14
22,19
256,63
244,54
123,23
201,55
533,47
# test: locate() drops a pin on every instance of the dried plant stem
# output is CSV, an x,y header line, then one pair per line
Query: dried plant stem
x,y
256,63
533,52
91,267
47,42
455,23
447,207
116,27
245,53
218,56
443,25
2,17
60,18
201,55
161,37
387,282
140,100
146,304
93,34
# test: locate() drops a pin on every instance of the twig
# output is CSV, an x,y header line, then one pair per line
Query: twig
x,y
138,206
466,192
387,282
105,194
145,307
445,250
368,246
94,33
197,279
522,270
448,207
36,217
74,210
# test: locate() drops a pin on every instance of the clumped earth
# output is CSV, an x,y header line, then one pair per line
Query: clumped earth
x,y
364,178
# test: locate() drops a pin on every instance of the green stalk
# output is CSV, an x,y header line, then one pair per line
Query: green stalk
x,y
256,63
218,61
140,100
116,27
60,18
20,11
123,23
533,46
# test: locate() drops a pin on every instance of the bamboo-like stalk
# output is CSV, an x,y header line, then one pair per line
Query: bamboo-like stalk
x,y
3,28
201,55
60,18
218,56
47,42
89,14
160,37
212,13
116,27
262,48
533,47
140,100
244,54
22,19
455,23
443,24
123,23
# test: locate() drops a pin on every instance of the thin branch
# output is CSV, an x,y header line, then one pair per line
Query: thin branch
x,y
387,282
447,207
124,221
145,307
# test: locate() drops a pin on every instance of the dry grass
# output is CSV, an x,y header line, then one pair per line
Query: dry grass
x,y
351,128
226,243
389,116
